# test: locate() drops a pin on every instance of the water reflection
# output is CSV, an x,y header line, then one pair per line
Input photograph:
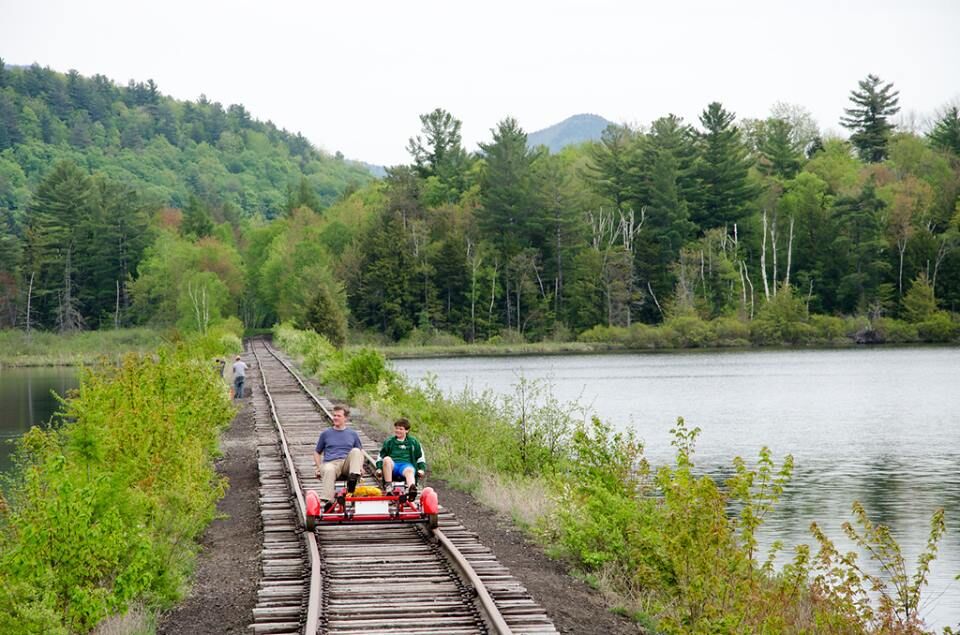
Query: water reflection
x,y
876,425
26,399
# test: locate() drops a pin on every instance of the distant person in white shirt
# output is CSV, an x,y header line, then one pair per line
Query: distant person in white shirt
x,y
239,374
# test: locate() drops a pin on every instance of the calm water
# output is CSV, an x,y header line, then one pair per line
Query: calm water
x,y
26,400
881,426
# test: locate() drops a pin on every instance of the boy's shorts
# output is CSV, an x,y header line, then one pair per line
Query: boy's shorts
x,y
399,467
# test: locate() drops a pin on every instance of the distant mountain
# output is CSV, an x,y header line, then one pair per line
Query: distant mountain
x,y
575,129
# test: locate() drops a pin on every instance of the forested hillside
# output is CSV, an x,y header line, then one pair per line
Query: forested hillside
x,y
91,173
121,206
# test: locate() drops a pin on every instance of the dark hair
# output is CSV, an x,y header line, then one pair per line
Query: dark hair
x,y
403,423
343,409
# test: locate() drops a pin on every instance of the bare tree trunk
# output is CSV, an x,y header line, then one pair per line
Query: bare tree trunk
x,y
116,312
773,243
654,296
29,300
901,248
789,253
493,291
763,257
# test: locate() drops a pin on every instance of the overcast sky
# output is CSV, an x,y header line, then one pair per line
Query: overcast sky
x,y
354,76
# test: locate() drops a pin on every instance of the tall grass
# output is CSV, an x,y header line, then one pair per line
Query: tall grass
x,y
40,348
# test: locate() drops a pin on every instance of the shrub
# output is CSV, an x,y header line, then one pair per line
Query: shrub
x,y
730,331
895,331
828,328
358,371
691,332
938,328
107,506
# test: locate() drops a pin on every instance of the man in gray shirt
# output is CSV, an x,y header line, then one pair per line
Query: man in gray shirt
x,y
239,374
338,453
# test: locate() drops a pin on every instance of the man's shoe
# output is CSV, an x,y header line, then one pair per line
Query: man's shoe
x,y
412,493
352,483
328,506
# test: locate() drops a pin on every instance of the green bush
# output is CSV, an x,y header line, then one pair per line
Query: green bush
x,y
938,328
731,331
106,506
358,371
691,332
895,331
829,329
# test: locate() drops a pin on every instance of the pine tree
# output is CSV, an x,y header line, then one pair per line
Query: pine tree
x,y
197,221
781,156
326,317
721,170
946,131
439,152
508,216
59,220
873,103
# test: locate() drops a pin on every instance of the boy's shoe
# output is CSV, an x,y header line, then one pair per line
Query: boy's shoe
x,y
412,493
352,483
388,489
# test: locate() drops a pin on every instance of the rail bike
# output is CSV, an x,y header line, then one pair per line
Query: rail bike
x,y
370,505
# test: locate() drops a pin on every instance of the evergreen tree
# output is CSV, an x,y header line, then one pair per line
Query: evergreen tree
x,y
945,134
721,169
325,316
612,171
873,103
439,152
303,196
780,155
861,248
197,221
508,216
59,219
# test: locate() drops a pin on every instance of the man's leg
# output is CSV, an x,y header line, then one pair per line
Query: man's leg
x,y
328,479
408,473
387,470
352,468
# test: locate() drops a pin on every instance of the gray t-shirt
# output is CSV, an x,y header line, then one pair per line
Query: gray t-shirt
x,y
239,369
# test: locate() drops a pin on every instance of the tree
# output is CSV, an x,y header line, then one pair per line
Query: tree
x,y
439,152
325,316
508,216
610,170
919,303
946,131
721,169
780,153
57,231
873,104
196,219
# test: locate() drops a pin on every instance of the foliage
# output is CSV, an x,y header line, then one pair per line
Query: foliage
x,y
106,506
873,103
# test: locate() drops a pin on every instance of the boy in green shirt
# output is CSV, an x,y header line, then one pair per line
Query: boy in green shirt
x,y
398,456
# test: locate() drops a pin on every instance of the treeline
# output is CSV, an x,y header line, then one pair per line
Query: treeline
x,y
93,176
673,220
757,226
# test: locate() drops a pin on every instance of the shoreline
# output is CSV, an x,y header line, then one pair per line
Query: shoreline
x,y
582,348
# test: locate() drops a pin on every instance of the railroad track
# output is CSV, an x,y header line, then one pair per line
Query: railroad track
x,y
360,579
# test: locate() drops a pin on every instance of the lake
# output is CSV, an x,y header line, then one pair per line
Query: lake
x,y
877,425
26,400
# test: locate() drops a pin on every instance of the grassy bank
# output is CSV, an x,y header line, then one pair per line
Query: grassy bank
x,y
661,542
105,507
40,348
787,328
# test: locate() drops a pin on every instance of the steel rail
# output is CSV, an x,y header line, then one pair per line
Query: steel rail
x,y
489,610
313,602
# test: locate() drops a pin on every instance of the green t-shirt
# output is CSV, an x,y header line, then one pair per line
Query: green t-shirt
x,y
409,451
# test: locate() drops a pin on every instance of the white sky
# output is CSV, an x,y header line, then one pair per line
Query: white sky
x,y
354,76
